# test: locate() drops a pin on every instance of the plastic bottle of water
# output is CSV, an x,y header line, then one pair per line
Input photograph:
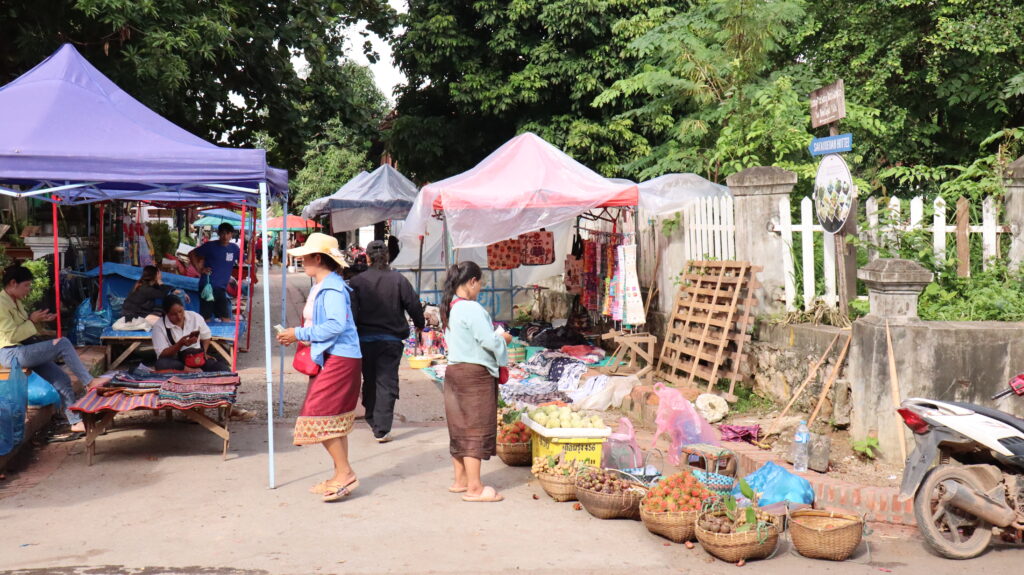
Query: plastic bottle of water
x,y
801,447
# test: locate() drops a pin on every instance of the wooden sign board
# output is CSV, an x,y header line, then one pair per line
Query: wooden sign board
x,y
828,104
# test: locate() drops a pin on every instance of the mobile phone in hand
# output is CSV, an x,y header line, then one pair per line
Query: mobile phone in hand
x,y
278,328
194,334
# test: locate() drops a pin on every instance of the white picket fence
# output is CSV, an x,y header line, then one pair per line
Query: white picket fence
x,y
707,230
878,229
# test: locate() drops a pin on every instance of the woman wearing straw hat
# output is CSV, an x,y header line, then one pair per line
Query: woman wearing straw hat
x,y
329,408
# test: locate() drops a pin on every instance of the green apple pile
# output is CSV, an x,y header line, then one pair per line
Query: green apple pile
x,y
555,417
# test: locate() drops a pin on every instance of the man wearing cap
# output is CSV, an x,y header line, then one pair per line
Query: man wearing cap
x,y
215,260
380,301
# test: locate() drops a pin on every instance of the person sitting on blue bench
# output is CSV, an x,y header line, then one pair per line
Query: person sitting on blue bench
x,y
20,340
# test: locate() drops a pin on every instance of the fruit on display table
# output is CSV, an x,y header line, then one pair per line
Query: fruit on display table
x,y
557,417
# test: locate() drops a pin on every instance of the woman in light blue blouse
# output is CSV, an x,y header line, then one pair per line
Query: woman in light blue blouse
x,y
475,353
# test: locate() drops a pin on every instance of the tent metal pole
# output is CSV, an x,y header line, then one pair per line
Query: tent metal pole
x,y
268,363
99,296
56,265
284,306
419,270
238,292
252,286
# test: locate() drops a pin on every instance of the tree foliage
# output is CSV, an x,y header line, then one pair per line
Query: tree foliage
x,y
221,69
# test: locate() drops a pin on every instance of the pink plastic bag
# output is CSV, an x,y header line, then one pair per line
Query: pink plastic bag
x,y
678,419
621,451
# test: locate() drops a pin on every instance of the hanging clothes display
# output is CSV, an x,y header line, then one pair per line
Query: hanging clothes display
x,y
505,255
537,248
589,298
632,300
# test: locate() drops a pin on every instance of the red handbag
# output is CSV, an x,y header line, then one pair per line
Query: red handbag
x,y
537,248
303,361
502,375
504,255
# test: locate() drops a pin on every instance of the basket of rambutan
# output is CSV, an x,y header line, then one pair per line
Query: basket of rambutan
x,y
671,507
514,444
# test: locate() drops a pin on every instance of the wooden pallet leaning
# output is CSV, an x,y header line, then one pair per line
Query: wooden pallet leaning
x,y
708,324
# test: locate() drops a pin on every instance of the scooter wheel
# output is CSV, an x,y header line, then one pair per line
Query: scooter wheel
x,y
950,531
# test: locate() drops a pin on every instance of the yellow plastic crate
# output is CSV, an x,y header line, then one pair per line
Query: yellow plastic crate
x,y
586,450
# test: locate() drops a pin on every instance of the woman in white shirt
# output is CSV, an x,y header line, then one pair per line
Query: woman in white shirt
x,y
181,339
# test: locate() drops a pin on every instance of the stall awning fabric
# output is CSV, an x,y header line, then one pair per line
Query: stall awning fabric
x,y
294,224
524,185
383,194
65,122
673,192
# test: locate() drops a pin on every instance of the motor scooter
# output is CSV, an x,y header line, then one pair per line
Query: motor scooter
x,y
966,473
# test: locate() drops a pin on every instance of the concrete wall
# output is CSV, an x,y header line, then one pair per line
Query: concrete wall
x,y
952,361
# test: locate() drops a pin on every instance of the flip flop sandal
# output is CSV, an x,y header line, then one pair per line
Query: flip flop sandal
x,y
335,490
320,488
64,437
458,489
488,495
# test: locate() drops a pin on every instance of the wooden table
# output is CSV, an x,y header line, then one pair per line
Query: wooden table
x,y
98,413
221,341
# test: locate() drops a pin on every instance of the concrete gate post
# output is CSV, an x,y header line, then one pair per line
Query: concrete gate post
x,y
1014,204
893,288
756,193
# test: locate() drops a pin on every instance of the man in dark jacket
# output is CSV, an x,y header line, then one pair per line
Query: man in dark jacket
x,y
380,301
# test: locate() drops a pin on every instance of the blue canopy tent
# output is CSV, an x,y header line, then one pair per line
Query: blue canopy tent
x,y
71,136
222,213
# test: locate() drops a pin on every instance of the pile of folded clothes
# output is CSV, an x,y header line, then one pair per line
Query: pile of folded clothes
x,y
187,390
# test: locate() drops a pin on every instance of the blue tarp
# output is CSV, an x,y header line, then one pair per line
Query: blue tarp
x,y
63,121
119,280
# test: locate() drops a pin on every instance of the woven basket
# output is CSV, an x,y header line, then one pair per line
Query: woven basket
x,y
715,482
731,547
676,526
559,487
821,534
515,454
612,506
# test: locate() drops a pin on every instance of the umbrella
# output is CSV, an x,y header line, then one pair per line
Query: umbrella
x,y
295,224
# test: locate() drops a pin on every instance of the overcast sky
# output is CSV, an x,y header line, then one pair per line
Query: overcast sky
x,y
384,72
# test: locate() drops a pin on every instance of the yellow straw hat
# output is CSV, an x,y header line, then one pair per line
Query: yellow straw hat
x,y
318,243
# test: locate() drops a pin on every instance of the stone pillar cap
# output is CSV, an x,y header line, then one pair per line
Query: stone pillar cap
x,y
761,176
893,271
1015,171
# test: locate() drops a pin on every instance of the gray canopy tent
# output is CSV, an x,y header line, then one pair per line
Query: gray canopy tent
x,y
383,194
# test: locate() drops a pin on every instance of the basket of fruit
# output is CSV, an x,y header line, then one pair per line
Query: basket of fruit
x,y
609,493
821,534
514,444
671,507
557,477
736,534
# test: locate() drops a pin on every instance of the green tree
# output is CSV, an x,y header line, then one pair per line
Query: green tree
x,y
480,72
331,160
221,69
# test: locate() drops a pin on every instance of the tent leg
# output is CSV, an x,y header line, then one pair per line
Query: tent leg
x,y
419,270
56,266
284,303
99,296
266,341
238,292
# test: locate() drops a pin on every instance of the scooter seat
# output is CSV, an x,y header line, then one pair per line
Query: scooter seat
x,y
1014,422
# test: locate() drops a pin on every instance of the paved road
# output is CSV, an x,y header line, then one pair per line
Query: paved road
x,y
159,500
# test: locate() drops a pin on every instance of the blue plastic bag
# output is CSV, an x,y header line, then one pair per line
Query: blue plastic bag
x,y
40,392
775,484
14,400
89,323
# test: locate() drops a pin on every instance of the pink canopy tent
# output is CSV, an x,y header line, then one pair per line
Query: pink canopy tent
x,y
294,223
525,185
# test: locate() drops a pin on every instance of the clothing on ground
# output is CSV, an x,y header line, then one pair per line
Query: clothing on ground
x,y
220,259
329,408
470,402
381,360
471,339
380,300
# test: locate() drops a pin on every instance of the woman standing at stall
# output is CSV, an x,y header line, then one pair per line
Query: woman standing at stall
x,y
475,352
328,411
